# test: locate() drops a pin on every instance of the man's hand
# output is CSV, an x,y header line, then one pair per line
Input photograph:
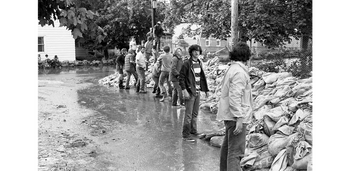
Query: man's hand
x,y
185,94
239,126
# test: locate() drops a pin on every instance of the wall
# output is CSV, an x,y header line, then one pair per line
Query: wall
x,y
57,41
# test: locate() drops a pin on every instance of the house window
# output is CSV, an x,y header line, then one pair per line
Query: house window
x,y
40,44
207,43
218,42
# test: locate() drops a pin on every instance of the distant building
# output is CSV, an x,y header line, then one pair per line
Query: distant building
x,y
56,41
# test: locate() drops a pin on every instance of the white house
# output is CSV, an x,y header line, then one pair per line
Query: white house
x,y
56,41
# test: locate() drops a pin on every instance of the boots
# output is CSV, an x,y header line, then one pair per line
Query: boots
x,y
164,96
154,90
121,86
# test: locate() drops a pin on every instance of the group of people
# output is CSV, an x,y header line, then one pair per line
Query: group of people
x,y
185,79
47,62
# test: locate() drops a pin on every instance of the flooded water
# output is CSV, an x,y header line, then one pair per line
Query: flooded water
x,y
136,131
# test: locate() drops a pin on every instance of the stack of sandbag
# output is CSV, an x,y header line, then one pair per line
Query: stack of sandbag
x,y
282,113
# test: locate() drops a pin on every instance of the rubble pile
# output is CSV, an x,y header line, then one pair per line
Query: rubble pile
x,y
280,135
112,80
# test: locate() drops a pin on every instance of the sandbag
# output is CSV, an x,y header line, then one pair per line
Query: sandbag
x,y
305,128
278,141
299,115
298,153
249,160
270,77
282,121
216,141
257,140
290,169
268,125
280,161
286,130
277,112
264,160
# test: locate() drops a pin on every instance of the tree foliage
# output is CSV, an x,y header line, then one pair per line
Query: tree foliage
x,y
97,24
271,22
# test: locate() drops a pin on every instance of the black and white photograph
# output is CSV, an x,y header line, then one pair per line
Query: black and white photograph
x,y
178,85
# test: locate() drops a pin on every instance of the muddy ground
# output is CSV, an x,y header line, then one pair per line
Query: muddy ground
x,y
85,126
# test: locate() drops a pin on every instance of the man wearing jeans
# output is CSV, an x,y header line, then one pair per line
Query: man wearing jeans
x,y
140,68
192,80
235,108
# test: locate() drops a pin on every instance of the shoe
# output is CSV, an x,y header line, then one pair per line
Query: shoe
x,y
127,88
143,91
189,139
199,135
158,96
162,100
154,90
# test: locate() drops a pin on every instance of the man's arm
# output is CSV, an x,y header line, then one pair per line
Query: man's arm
x,y
182,76
174,67
237,86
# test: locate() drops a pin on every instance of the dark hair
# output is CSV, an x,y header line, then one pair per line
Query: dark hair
x,y
193,48
175,54
124,49
46,55
166,49
149,38
240,52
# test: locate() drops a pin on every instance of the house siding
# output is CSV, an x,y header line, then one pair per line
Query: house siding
x,y
57,41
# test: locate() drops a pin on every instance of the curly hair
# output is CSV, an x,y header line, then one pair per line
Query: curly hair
x,y
193,48
240,52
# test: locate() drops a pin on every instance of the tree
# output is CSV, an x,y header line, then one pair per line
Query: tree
x,y
101,24
77,15
271,22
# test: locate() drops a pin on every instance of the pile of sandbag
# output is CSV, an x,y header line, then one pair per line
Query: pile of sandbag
x,y
112,80
280,136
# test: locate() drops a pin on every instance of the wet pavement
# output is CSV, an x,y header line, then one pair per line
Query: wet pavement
x,y
125,130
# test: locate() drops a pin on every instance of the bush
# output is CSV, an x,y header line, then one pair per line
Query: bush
x,y
275,62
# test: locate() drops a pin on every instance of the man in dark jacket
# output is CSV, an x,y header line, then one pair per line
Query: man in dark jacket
x,y
176,65
192,80
158,31
120,67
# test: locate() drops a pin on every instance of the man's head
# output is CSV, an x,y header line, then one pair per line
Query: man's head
x,y
142,49
240,52
158,23
194,51
149,38
166,49
124,51
46,56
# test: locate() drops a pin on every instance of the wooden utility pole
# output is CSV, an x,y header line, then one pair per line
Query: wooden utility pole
x,y
234,21
154,6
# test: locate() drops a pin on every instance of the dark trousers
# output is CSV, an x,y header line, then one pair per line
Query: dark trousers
x,y
177,93
190,118
141,79
157,43
156,87
232,149
129,73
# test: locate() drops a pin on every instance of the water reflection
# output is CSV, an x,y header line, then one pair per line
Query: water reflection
x,y
76,69
158,126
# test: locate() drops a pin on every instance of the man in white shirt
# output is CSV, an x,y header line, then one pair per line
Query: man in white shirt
x,y
141,68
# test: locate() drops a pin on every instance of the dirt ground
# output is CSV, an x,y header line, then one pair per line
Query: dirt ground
x,y
83,126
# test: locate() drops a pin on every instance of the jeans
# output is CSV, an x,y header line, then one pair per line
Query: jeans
x,y
177,93
147,55
142,79
129,73
232,149
191,113
164,76
156,87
